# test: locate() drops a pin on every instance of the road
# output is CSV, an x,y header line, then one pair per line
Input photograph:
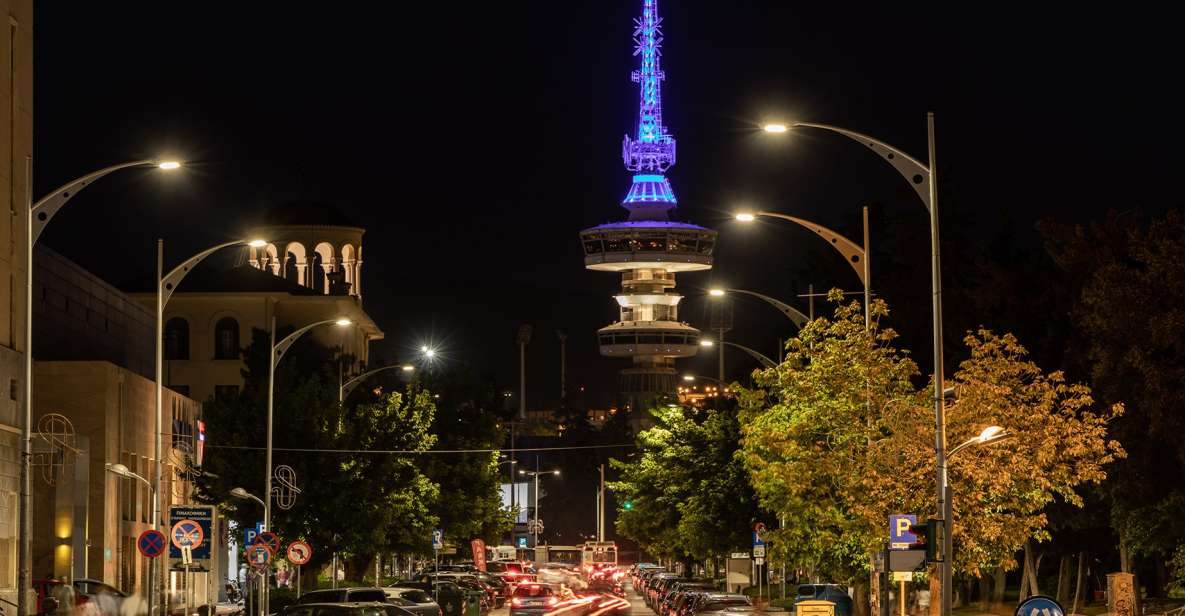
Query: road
x,y
637,606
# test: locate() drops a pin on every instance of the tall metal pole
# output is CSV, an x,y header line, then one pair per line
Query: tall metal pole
x,y
867,275
522,379
601,506
536,533
720,355
267,492
944,506
563,365
24,553
155,572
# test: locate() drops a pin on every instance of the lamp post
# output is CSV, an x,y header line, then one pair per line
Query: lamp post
x,y
765,361
259,594
277,353
166,285
344,389
856,256
535,475
924,180
798,318
37,217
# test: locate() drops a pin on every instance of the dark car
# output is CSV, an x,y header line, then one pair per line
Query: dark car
x,y
414,600
719,602
344,595
533,599
826,592
353,608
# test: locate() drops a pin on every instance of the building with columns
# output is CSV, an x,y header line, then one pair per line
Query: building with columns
x,y
310,271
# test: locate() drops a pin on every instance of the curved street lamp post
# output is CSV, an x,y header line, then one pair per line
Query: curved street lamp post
x,y
924,180
37,217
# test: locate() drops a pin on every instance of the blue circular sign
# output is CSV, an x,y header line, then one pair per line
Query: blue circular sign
x,y
1040,605
151,543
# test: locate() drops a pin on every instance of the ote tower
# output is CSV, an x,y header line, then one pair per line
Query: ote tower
x,y
648,249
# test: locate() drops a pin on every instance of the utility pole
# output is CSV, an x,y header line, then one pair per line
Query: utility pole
x,y
524,337
601,507
563,365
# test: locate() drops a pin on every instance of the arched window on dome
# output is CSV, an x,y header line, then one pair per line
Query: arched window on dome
x,y
226,339
176,339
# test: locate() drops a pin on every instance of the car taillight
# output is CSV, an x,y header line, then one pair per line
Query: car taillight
x,y
516,602
552,600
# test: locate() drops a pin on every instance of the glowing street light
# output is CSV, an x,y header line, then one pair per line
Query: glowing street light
x,y
798,318
345,388
746,217
169,165
775,127
716,293
706,343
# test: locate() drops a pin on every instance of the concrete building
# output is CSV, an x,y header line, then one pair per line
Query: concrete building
x,y
211,316
94,352
16,138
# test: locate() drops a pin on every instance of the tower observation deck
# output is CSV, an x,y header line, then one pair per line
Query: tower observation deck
x,y
648,249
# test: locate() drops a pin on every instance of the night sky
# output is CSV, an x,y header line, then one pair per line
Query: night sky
x,y
473,140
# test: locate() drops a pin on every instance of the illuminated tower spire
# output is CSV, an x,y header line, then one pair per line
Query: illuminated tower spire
x,y
652,151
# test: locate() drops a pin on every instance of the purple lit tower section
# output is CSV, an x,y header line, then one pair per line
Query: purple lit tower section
x,y
648,249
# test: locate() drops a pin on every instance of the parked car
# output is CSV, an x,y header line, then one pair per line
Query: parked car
x,y
414,600
826,592
354,608
717,602
356,594
89,597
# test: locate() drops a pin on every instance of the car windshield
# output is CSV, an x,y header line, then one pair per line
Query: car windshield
x,y
417,596
532,590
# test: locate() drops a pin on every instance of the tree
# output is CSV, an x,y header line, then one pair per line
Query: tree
x,y
689,496
1129,316
838,437
352,503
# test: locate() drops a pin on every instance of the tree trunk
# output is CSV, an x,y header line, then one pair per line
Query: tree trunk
x,y
984,592
1063,580
999,581
1033,586
357,566
1027,561
1078,586
1125,563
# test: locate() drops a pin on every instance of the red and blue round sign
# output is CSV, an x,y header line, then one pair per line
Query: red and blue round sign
x,y
151,543
259,555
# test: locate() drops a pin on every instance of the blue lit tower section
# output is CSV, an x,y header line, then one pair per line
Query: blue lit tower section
x,y
648,249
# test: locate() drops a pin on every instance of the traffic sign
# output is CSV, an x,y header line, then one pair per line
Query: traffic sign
x,y
258,555
203,517
522,542
1040,605
151,543
269,539
437,539
249,535
739,555
299,552
759,551
759,561
187,534
903,576
900,538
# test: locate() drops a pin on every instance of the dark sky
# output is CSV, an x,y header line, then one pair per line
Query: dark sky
x,y
473,140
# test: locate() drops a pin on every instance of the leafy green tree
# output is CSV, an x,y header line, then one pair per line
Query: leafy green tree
x,y
350,503
838,437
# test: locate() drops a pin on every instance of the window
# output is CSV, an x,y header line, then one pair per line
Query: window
x,y
177,338
181,389
226,339
226,392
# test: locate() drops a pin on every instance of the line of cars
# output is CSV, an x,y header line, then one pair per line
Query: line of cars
x,y
670,594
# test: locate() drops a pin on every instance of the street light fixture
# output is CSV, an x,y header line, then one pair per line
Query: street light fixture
x,y
245,495
924,180
760,357
990,434
858,257
345,388
798,318
37,217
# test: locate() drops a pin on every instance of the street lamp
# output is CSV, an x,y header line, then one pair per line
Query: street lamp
x,y
857,257
924,180
277,353
990,434
37,217
798,318
245,495
344,389
125,472
765,361
535,475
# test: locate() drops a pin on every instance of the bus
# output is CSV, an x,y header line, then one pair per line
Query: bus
x,y
593,553
568,555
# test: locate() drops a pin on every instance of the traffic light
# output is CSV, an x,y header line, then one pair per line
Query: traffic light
x,y
628,505
928,536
